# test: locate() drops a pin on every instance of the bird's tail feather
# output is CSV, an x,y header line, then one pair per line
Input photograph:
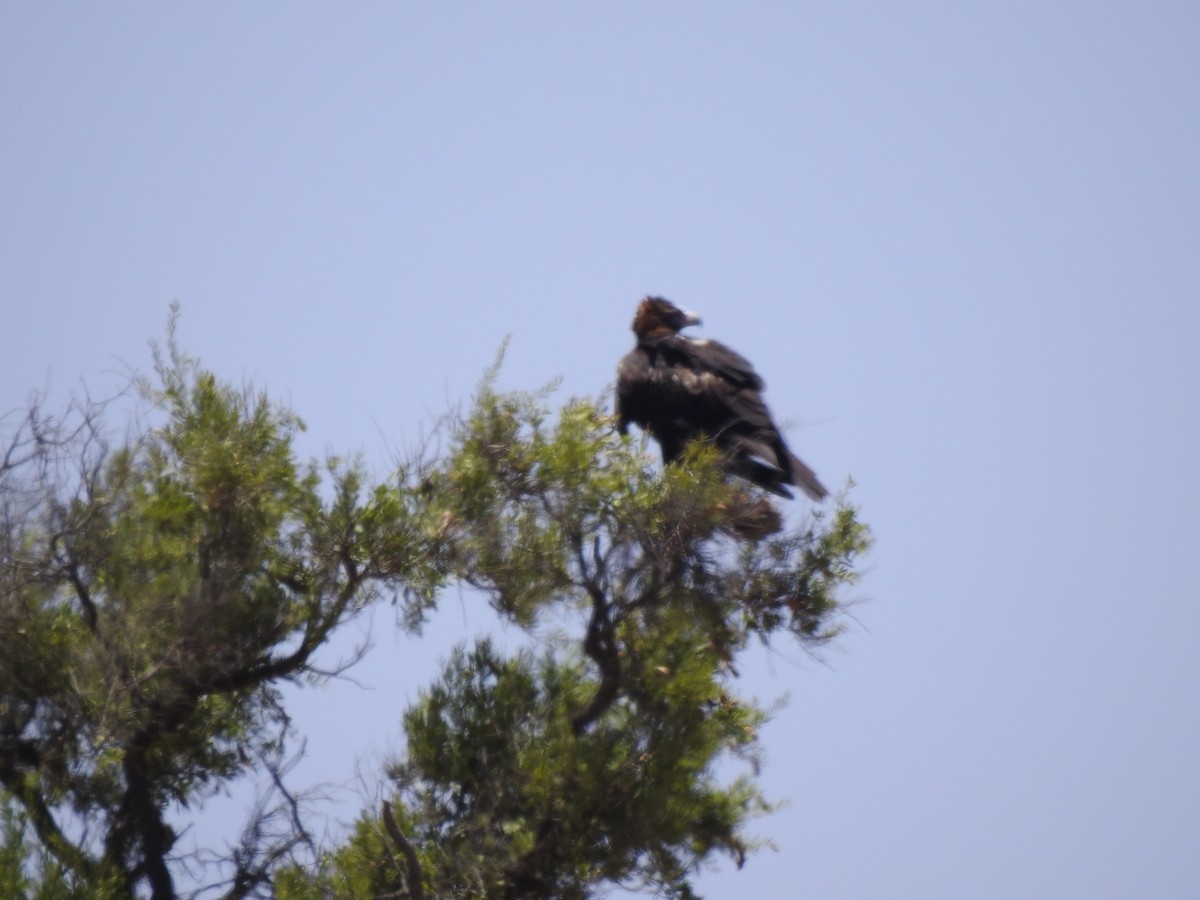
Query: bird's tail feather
x,y
806,479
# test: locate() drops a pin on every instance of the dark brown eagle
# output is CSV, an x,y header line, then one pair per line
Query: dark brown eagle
x,y
681,390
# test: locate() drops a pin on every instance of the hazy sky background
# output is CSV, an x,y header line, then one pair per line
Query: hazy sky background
x,y
961,241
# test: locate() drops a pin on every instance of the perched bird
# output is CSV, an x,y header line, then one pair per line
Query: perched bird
x,y
681,390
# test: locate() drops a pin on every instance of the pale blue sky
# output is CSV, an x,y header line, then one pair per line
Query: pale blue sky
x,y
960,241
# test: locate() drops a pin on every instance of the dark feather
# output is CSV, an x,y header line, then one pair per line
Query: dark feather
x,y
681,390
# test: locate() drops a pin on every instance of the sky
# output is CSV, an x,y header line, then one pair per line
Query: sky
x,y
959,240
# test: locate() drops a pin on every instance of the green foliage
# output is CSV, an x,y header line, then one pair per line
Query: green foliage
x,y
14,882
154,597
593,761
510,798
28,870
364,867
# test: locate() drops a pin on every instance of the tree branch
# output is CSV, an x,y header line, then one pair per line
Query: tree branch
x,y
264,843
71,570
412,877
44,825
600,644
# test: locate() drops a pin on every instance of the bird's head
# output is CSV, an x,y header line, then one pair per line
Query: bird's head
x,y
654,314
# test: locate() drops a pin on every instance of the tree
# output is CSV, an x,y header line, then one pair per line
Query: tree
x,y
591,762
155,596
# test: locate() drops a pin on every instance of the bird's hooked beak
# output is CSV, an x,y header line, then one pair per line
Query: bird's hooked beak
x,y
690,318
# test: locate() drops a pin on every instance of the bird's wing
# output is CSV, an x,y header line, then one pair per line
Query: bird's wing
x,y
723,382
722,361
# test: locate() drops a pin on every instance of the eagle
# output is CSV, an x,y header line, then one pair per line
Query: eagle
x,y
681,390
